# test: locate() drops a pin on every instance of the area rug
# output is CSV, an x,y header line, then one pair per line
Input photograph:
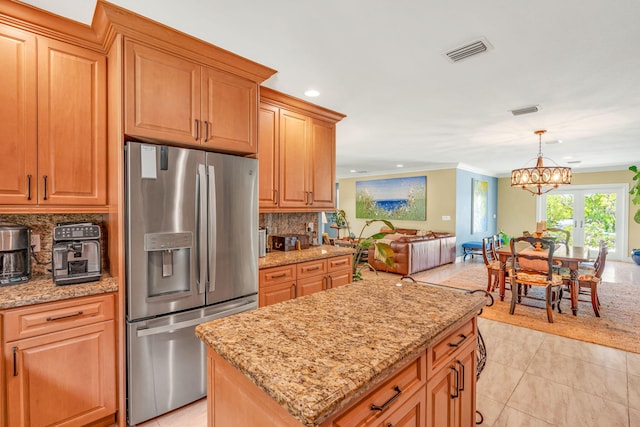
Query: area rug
x,y
618,326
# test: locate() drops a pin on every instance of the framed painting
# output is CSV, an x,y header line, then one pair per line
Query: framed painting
x,y
392,198
479,206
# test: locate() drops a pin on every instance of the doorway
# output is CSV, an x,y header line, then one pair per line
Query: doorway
x,y
590,213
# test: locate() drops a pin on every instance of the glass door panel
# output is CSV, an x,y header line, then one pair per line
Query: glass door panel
x,y
590,214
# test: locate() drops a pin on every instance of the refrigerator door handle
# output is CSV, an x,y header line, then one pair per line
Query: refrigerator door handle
x,y
143,332
202,228
212,227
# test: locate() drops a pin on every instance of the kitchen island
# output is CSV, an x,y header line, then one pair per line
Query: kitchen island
x,y
361,353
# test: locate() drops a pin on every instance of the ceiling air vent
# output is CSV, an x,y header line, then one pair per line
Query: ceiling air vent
x,y
469,49
525,110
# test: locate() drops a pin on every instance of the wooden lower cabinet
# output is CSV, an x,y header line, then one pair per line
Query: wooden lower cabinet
x,y
451,388
282,283
64,376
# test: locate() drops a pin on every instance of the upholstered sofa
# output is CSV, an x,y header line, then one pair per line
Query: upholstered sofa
x,y
416,250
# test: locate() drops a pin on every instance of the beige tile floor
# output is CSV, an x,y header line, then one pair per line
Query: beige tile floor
x,y
531,379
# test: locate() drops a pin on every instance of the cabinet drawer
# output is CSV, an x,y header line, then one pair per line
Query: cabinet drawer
x,y
408,381
312,268
45,318
273,275
441,352
339,263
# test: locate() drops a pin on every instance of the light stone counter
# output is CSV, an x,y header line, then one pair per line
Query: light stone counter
x,y
316,354
41,289
278,258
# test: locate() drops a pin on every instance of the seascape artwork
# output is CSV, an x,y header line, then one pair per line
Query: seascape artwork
x,y
480,204
392,199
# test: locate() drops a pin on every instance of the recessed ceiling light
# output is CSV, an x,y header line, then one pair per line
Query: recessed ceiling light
x,y
554,141
312,93
353,171
567,157
399,166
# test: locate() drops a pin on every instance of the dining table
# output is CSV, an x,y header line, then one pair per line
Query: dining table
x,y
569,257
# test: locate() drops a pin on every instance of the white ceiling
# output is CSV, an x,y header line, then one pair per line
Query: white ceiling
x,y
381,63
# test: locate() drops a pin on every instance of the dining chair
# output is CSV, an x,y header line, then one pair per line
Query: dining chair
x,y
533,267
491,263
560,236
589,277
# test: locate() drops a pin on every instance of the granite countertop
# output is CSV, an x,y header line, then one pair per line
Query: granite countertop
x,y
277,258
41,289
316,354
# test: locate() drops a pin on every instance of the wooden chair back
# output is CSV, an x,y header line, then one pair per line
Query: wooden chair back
x,y
488,253
528,259
560,236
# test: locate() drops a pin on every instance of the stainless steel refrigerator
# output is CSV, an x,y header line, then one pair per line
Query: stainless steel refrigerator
x,y
191,257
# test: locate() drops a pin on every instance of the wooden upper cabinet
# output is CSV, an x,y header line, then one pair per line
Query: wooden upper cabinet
x,y
18,117
53,113
268,156
296,143
174,99
294,130
162,94
72,118
322,164
229,111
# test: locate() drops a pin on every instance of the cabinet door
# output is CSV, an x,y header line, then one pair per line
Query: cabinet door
x,y
229,112
322,170
268,126
162,95
465,405
311,285
67,376
71,125
410,414
440,404
18,119
276,293
340,278
294,129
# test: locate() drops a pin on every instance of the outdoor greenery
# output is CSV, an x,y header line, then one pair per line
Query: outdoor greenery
x,y
414,207
599,215
362,244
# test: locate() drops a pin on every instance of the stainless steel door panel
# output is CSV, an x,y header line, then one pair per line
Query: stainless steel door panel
x,y
162,201
233,246
166,362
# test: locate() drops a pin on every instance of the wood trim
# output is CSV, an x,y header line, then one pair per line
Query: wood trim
x,y
52,209
164,37
289,102
43,23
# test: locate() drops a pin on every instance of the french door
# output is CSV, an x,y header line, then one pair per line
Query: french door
x,y
590,214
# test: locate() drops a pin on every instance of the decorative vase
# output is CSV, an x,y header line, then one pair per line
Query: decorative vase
x,y
635,255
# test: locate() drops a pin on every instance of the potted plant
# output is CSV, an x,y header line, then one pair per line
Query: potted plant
x,y
361,245
635,199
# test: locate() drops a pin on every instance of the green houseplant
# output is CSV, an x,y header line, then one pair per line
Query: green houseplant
x,y
383,251
635,192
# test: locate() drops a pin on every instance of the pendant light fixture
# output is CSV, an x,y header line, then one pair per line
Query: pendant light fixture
x,y
540,179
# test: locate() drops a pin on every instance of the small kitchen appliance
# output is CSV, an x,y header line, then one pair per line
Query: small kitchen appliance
x,y
76,253
262,242
290,242
15,254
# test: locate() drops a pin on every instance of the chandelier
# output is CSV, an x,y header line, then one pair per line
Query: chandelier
x,y
540,179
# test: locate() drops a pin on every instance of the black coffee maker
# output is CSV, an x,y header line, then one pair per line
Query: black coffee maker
x,y
15,254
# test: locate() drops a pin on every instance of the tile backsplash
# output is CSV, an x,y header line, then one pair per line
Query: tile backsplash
x,y
290,223
42,224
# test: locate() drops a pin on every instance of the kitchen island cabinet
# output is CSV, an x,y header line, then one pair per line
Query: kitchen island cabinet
x,y
325,359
